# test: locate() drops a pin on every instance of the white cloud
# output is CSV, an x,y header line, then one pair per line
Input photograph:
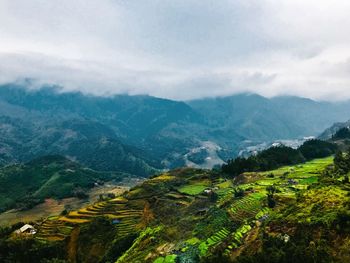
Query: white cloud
x,y
180,49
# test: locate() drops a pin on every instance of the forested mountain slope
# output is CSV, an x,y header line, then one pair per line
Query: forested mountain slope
x,y
91,143
25,185
148,131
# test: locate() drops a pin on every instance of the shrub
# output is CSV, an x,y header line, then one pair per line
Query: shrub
x,y
238,192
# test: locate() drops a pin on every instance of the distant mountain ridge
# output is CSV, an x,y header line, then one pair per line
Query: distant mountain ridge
x,y
282,117
139,133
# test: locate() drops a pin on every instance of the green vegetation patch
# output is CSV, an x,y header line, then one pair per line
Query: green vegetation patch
x,y
245,208
318,206
224,185
309,180
192,189
215,239
237,237
167,259
314,166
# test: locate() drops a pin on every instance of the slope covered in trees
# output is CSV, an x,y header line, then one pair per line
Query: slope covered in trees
x,y
91,143
153,131
25,185
275,157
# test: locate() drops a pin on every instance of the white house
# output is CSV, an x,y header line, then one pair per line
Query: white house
x,y
26,229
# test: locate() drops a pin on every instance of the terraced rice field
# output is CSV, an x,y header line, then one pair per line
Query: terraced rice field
x,y
192,189
53,230
215,239
59,228
218,237
131,213
128,214
237,237
245,208
311,168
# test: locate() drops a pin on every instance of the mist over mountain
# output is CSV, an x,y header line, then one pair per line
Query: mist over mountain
x,y
138,134
174,131
260,118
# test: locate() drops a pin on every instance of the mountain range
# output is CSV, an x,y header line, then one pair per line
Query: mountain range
x,y
282,204
143,134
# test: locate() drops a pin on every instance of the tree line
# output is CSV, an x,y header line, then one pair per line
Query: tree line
x,y
278,156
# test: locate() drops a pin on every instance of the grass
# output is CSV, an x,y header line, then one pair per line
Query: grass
x,y
192,189
237,237
163,177
245,208
224,185
319,205
192,241
167,259
309,180
215,239
306,169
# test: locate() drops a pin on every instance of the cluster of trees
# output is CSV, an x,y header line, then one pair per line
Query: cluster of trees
x,y
302,247
342,164
275,157
343,133
317,149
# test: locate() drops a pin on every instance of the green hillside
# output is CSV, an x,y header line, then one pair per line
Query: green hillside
x,y
24,185
92,144
298,212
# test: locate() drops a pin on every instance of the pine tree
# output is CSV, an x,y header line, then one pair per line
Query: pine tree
x,y
340,163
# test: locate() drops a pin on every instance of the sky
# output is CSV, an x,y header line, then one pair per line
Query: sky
x,y
179,49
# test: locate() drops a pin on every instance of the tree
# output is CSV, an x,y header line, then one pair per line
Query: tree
x,y
347,160
340,164
271,190
343,133
238,192
312,149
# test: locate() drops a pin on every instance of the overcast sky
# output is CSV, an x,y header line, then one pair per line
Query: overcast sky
x,y
180,49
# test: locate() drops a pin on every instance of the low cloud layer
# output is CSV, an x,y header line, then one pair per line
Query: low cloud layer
x,y
180,49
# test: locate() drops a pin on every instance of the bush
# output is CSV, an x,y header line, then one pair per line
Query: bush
x,y
271,203
80,194
238,192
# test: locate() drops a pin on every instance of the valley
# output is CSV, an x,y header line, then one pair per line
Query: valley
x,y
142,135
194,214
141,179
167,131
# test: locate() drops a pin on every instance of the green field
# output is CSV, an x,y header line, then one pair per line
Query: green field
x,y
192,189
169,219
